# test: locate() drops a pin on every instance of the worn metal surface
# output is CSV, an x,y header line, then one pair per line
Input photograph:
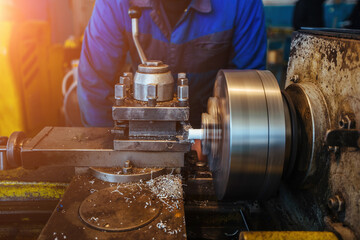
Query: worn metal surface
x,y
152,128
16,191
65,220
332,65
313,120
152,145
117,209
164,111
61,146
117,175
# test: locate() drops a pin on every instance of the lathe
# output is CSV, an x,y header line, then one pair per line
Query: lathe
x,y
281,164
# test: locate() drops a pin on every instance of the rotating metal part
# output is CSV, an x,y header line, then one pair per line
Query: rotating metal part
x,y
245,133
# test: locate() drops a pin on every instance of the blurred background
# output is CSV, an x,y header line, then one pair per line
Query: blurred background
x,y
40,42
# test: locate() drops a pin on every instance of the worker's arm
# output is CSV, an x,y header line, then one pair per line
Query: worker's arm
x,y
103,52
249,39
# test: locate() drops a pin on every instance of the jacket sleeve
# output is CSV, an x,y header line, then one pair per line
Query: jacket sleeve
x,y
249,39
103,52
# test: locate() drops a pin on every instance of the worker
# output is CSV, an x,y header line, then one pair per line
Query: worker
x,y
197,37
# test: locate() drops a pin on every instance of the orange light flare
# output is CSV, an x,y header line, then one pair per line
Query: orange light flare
x,y
6,10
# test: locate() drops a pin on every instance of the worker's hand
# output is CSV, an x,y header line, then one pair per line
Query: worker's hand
x,y
197,147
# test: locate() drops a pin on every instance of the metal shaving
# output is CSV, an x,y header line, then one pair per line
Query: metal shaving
x,y
168,189
167,186
163,226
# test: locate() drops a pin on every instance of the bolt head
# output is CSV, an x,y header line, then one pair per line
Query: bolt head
x,y
336,203
120,91
181,75
295,78
183,81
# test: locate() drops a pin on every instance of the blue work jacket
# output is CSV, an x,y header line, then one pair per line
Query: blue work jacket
x,y
211,35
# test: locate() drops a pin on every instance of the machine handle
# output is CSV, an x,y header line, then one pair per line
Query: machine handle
x,y
135,14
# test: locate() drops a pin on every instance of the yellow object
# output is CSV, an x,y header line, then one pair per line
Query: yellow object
x,y
28,190
287,235
31,72
11,115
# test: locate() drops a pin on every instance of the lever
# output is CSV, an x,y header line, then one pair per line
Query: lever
x,y
135,14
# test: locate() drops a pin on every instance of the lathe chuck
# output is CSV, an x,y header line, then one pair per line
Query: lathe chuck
x,y
245,134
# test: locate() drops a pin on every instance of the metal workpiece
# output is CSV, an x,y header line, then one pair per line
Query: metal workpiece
x,y
244,134
195,134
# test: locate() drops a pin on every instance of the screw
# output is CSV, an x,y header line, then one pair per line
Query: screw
x,y
127,163
127,167
336,203
295,78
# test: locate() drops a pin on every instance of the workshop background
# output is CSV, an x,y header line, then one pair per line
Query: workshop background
x,y
40,43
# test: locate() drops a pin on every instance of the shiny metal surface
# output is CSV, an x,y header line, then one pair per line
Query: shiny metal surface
x,y
135,34
117,175
163,81
252,152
